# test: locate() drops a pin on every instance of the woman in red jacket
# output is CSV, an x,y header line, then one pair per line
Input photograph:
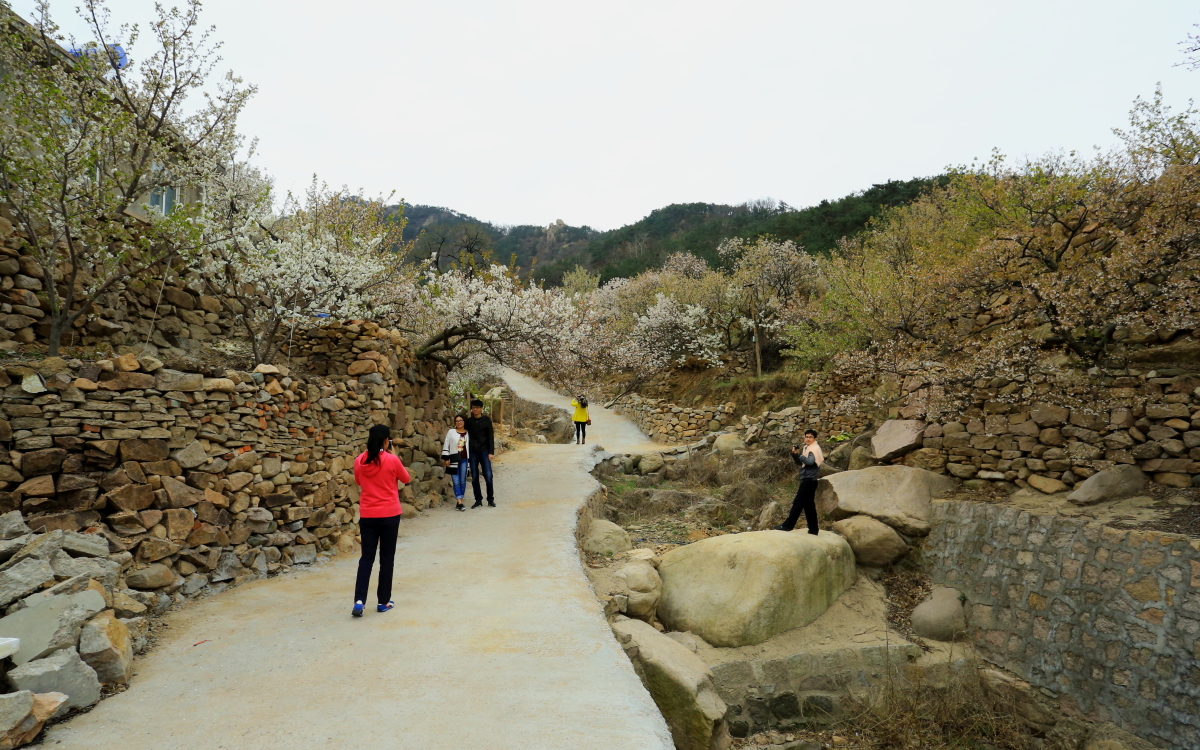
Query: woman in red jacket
x,y
376,472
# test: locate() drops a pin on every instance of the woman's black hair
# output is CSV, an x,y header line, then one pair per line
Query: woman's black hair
x,y
375,439
811,432
583,401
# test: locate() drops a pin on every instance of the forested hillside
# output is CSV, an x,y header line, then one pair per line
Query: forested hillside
x,y
696,228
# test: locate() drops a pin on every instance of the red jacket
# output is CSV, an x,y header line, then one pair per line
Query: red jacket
x,y
380,497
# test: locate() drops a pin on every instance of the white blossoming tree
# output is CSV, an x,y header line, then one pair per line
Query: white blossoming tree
x,y
324,257
93,152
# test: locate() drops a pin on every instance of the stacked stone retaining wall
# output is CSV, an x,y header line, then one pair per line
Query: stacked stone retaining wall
x,y
1105,620
216,475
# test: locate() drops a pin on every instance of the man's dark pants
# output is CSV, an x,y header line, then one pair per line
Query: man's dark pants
x,y
805,501
480,462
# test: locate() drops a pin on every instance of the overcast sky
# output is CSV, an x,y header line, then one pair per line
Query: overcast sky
x,y
528,112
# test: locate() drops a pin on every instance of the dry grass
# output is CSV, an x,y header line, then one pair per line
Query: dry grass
x,y
749,394
915,715
956,712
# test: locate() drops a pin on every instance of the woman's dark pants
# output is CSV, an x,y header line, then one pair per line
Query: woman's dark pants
x,y
805,501
581,431
377,532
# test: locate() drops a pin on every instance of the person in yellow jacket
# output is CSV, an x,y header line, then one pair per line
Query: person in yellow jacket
x,y
581,419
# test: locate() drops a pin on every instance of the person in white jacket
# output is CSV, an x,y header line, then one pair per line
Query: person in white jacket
x,y
456,449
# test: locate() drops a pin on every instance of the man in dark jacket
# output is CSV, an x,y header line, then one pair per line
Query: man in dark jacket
x,y
809,459
479,428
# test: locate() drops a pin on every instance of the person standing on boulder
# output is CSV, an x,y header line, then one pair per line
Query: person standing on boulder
x,y
809,459
581,419
377,472
479,428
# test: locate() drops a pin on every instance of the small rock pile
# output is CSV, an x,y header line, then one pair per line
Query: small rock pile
x,y
67,599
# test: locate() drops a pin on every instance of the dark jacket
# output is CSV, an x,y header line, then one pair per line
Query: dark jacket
x,y
809,469
480,431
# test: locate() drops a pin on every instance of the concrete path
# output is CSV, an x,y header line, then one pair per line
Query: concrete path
x,y
496,642
609,430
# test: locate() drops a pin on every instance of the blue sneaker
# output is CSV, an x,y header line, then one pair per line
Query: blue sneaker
x,y
358,610
384,607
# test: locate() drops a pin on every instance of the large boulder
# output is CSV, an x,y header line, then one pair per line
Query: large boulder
x,y
650,463
941,616
897,495
896,437
1121,481
639,581
861,457
741,589
875,544
61,672
606,538
728,443
680,683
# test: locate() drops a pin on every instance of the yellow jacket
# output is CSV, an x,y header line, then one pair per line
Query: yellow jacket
x,y
581,414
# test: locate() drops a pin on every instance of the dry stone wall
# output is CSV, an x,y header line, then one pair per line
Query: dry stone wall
x,y
213,476
178,314
665,422
1105,620
1016,433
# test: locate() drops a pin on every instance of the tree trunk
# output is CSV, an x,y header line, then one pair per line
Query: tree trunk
x,y
58,325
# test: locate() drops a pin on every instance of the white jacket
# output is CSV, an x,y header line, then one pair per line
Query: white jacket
x,y
450,444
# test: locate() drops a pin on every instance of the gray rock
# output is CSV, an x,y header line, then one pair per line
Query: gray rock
x,y
896,437
1112,737
12,525
897,495
860,458
1121,481
50,625
228,568
271,465
191,455
243,462
24,578
154,576
85,545
650,463
680,683
941,616
100,568
606,538
43,547
875,544
61,672
304,554
139,632
10,547
194,583
639,581
174,380
728,443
